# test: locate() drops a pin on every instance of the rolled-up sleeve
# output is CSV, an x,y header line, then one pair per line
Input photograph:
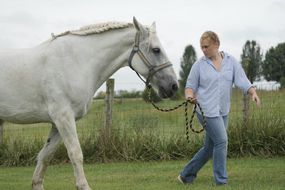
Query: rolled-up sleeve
x,y
240,78
193,78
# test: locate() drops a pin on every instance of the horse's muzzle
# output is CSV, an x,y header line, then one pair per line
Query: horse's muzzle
x,y
169,91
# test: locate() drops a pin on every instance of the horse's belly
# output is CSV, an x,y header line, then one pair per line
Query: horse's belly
x,y
23,115
27,118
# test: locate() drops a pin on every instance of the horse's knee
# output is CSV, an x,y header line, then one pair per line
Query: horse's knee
x,y
75,155
47,152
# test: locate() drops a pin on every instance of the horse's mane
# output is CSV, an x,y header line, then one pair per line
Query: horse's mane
x,y
95,29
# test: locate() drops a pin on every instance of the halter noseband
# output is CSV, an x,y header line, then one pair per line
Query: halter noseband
x,y
152,69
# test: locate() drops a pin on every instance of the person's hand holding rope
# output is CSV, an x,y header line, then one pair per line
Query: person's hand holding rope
x,y
192,100
189,95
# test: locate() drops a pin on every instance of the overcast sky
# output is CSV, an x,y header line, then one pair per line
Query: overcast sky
x,y
26,23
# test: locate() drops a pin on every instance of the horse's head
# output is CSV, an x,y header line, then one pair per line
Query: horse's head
x,y
149,59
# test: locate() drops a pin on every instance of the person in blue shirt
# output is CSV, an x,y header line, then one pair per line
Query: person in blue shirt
x,y
210,83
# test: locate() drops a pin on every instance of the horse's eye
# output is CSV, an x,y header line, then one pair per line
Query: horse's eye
x,y
155,50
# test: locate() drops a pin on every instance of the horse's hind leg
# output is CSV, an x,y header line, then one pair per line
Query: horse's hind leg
x,y
44,157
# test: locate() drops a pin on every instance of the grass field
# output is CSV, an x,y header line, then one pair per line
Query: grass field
x,y
244,174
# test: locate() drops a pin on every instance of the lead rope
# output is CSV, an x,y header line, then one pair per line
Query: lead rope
x,y
188,124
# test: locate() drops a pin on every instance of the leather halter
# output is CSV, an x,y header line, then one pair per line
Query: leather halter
x,y
152,69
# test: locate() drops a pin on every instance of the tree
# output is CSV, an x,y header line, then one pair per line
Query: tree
x,y
188,59
273,65
251,60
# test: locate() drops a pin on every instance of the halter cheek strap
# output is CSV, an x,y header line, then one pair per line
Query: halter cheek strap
x,y
152,69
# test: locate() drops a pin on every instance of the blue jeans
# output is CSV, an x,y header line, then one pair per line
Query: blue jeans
x,y
215,146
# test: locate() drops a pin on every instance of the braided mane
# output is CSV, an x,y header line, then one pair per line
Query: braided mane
x,y
95,29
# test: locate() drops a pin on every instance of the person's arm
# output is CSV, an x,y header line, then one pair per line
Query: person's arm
x,y
241,81
252,92
192,84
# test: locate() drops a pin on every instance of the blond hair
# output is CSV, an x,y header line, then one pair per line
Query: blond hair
x,y
212,36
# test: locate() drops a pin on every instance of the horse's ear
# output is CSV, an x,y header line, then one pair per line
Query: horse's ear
x,y
137,24
153,27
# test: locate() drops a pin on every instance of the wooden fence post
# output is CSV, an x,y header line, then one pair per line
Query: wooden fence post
x,y
246,66
1,132
245,110
109,105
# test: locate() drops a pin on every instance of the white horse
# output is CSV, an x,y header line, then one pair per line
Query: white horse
x,y
55,81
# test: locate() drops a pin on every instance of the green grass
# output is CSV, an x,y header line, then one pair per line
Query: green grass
x,y
244,173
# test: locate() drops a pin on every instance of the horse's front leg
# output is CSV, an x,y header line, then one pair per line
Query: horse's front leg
x,y
44,157
66,126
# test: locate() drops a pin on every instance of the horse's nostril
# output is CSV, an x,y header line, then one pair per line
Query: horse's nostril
x,y
175,87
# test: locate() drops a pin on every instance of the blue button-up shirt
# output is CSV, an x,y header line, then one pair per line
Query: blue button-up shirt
x,y
212,87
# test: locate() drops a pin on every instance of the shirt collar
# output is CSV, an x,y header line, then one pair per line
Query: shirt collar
x,y
204,58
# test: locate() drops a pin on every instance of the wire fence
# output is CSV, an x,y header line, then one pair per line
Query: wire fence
x,y
131,116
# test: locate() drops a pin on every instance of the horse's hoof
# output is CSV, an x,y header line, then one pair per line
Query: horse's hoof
x,y
83,188
37,187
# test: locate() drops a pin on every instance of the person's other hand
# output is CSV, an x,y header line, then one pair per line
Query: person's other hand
x,y
256,99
